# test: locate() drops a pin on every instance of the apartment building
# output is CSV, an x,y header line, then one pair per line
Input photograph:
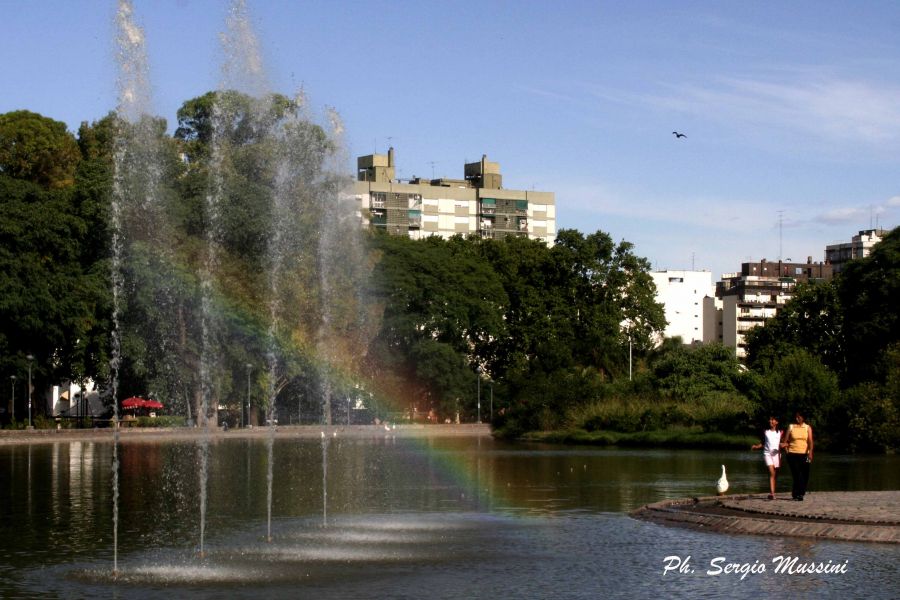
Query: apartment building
x,y
477,204
748,299
860,246
681,293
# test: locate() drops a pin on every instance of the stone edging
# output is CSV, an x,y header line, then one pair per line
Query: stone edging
x,y
701,513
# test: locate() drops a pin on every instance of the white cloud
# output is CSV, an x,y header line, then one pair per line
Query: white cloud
x,y
827,108
838,216
857,214
719,213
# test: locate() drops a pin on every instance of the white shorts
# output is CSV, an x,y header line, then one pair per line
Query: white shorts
x,y
772,460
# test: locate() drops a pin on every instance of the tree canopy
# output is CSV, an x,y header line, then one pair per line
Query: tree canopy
x,y
37,149
514,311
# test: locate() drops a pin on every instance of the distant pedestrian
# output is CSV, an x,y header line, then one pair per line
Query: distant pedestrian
x,y
771,447
799,443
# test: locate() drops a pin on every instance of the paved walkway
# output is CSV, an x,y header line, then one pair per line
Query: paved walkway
x,y
857,516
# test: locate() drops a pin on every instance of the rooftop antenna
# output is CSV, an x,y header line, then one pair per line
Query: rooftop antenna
x,y
780,232
871,215
432,163
692,262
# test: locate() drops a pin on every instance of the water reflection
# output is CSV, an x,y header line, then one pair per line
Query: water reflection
x,y
387,516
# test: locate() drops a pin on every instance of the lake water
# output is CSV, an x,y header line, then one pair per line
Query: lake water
x,y
396,517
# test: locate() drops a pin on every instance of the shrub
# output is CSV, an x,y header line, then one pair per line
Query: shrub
x,y
864,419
161,421
723,412
713,412
797,382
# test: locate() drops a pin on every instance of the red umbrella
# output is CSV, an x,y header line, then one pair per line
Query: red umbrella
x,y
133,402
153,404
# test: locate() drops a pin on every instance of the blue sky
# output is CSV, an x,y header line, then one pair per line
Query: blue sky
x,y
790,108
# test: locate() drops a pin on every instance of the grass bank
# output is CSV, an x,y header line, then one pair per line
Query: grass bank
x,y
711,420
658,438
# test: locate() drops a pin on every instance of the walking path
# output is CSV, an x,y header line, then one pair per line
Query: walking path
x,y
858,516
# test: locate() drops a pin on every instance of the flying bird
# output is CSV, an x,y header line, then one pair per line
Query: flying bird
x,y
678,135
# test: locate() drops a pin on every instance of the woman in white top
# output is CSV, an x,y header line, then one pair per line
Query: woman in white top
x,y
771,447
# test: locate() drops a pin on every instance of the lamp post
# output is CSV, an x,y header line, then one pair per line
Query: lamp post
x,y
249,368
12,399
30,358
479,393
492,401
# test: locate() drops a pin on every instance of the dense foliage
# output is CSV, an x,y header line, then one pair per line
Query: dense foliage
x,y
54,292
543,323
544,336
833,352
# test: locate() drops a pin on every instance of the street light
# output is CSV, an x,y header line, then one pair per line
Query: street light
x,y
629,356
30,358
479,393
12,399
492,401
249,368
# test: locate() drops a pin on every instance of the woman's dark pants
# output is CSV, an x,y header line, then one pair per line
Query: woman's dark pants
x,y
799,473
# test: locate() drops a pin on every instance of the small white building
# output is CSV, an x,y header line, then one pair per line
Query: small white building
x,y
681,293
71,401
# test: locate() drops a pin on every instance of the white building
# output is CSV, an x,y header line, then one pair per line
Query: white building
x,y
681,293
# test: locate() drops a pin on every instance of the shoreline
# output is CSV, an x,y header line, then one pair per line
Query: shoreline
x,y
142,434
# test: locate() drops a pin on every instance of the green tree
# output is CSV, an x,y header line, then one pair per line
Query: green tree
x,y
687,373
868,292
37,149
574,304
798,381
49,305
570,312
257,191
443,310
811,320
864,419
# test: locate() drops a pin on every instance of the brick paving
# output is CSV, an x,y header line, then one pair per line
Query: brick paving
x,y
857,516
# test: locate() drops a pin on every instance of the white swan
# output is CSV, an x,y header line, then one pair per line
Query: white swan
x,y
722,483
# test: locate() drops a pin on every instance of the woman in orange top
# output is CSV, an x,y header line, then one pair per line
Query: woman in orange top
x,y
799,443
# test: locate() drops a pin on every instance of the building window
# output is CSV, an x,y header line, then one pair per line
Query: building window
x,y
676,279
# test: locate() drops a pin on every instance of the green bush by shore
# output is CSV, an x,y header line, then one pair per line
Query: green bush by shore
x,y
711,420
673,438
